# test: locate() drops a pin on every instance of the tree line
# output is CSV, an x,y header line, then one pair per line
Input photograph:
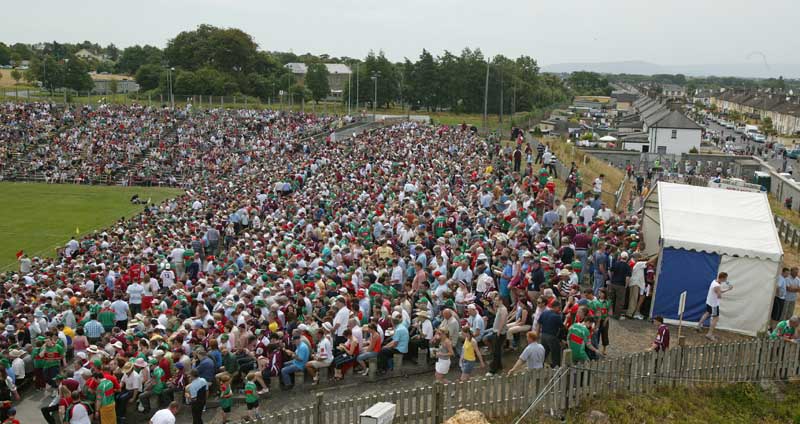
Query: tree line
x,y
210,60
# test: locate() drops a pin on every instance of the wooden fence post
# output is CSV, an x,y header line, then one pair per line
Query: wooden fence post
x,y
438,403
318,412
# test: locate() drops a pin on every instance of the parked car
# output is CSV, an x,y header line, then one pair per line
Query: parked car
x,y
793,154
759,138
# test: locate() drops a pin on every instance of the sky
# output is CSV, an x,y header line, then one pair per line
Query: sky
x,y
667,32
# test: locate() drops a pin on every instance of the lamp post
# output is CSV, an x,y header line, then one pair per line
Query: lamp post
x,y
66,71
375,76
171,94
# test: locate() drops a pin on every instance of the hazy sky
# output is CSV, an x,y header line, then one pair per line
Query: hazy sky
x,y
664,32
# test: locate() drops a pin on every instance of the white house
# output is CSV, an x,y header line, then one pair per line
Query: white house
x,y
674,133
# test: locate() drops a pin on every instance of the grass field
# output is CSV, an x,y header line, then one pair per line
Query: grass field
x,y
733,404
40,217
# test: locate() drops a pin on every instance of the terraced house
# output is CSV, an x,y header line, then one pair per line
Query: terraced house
x,y
783,109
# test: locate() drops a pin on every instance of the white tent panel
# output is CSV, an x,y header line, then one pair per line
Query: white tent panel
x,y
746,308
721,221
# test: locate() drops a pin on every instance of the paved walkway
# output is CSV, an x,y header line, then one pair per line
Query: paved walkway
x,y
627,336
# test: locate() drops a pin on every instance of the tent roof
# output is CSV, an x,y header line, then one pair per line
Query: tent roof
x,y
715,220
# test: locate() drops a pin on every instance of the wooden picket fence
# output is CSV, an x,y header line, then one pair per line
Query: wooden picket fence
x,y
711,364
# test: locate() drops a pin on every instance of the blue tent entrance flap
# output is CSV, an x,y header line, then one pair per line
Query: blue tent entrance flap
x,y
684,270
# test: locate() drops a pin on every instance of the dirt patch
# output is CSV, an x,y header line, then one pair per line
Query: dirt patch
x,y
463,416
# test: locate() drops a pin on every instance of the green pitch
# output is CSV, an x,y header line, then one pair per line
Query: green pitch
x,y
37,218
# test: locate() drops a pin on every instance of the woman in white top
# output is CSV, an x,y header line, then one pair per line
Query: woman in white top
x,y
443,354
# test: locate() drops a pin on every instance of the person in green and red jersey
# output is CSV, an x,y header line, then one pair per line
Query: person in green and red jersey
x,y
105,408
251,395
225,396
579,338
602,306
106,316
52,357
786,329
439,226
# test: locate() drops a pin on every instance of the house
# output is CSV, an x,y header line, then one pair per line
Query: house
x,y
782,109
673,91
624,101
106,86
84,54
674,133
338,76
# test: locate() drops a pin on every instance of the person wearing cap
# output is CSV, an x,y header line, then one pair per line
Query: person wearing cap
x,y
300,356
620,280
399,344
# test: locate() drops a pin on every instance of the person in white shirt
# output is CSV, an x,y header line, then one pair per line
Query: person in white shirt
x,y
340,321
324,356
587,214
636,288
167,277
167,415
79,414
597,186
121,313
17,365
132,381
715,292
135,293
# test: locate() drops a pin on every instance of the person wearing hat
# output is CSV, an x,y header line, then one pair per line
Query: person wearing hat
x,y
421,335
18,366
620,280
131,386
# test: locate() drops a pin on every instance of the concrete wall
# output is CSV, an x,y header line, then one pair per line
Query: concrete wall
x,y
700,162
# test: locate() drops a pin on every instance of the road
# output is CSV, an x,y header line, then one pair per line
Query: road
x,y
741,143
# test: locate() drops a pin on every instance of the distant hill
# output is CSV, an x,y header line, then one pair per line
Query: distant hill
x,y
744,70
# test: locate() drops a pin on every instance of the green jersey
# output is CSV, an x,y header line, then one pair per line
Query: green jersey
x,y
250,392
225,396
52,355
439,226
577,337
158,375
783,329
107,317
105,392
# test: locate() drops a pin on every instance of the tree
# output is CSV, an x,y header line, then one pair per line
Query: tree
x,y
317,81
767,127
148,76
113,86
76,75
16,75
589,84
132,58
5,54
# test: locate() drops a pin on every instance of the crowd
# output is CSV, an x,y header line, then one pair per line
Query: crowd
x,y
320,257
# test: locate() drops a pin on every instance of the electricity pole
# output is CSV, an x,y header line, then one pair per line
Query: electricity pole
x,y
486,100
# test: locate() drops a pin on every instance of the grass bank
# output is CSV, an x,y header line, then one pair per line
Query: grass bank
x,y
734,404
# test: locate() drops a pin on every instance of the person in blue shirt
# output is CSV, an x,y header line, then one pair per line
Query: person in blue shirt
x,y
505,277
301,355
205,365
399,343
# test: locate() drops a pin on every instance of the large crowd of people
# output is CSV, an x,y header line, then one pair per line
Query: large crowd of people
x,y
321,256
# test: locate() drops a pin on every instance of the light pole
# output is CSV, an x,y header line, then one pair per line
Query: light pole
x,y
349,91
358,65
375,76
171,94
66,71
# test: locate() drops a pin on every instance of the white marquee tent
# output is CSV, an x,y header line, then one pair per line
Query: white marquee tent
x,y
701,231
